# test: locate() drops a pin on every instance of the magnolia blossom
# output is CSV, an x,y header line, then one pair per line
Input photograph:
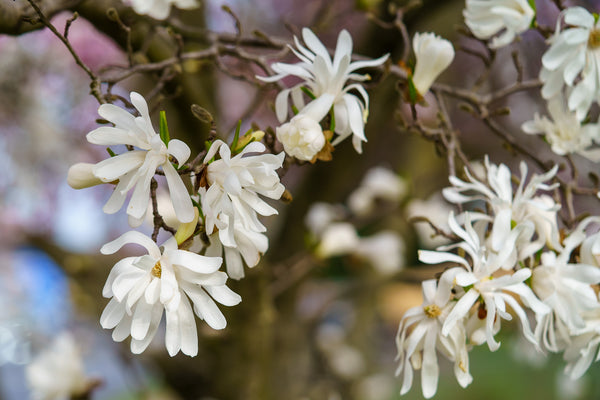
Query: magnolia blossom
x,y
573,59
142,288
320,215
231,204
384,250
583,347
488,18
160,9
433,55
339,238
564,132
235,184
476,281
378,184
135,169
249,246
417,346
324,76
566,288
509,208
57,373
302,137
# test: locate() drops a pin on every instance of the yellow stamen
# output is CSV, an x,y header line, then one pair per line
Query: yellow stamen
x,y
157,270
594,39
462,367
432,311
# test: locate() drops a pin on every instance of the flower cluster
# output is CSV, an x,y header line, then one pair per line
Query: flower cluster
x,y
509,255
328,224
325,81
231,203
172,279
571,84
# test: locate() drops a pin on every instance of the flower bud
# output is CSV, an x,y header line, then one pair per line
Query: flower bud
x,y
80,176
433,55
302,137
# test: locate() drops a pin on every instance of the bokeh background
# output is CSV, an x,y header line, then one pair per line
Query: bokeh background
x,y
329,333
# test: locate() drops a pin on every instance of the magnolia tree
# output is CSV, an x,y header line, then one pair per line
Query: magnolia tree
x,y
513,235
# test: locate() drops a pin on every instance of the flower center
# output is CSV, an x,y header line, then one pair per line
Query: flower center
x,y
594,39
157,270
432,311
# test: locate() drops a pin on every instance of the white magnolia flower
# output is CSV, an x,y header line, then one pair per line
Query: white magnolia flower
x,y
512,209
249,246
160,9
135,169
433,55
564,131
566,288
339,238
324,76
384,250
57,373
488,18
302,137
320,215
417,346
583,347
573,59
378,184
479,283
143,287
235,184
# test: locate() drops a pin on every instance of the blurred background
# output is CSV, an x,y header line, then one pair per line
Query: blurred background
x,y
308,327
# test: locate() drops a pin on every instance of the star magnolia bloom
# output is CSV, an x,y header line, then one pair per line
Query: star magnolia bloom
x,y
235,185
384,250
566,287
249,246
160,9
479,283
338,239
433,55
487,18
135,169
417,349
573,59
509,209
324,76
143,287
564,132
378,184
320,215
582,348
57,373
303,136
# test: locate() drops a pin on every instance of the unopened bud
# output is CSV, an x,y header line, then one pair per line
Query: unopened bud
x,y
81,176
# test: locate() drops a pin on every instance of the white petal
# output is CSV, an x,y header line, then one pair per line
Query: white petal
x,y
207,308
179,150
224,295
195,262
182,204
132,237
